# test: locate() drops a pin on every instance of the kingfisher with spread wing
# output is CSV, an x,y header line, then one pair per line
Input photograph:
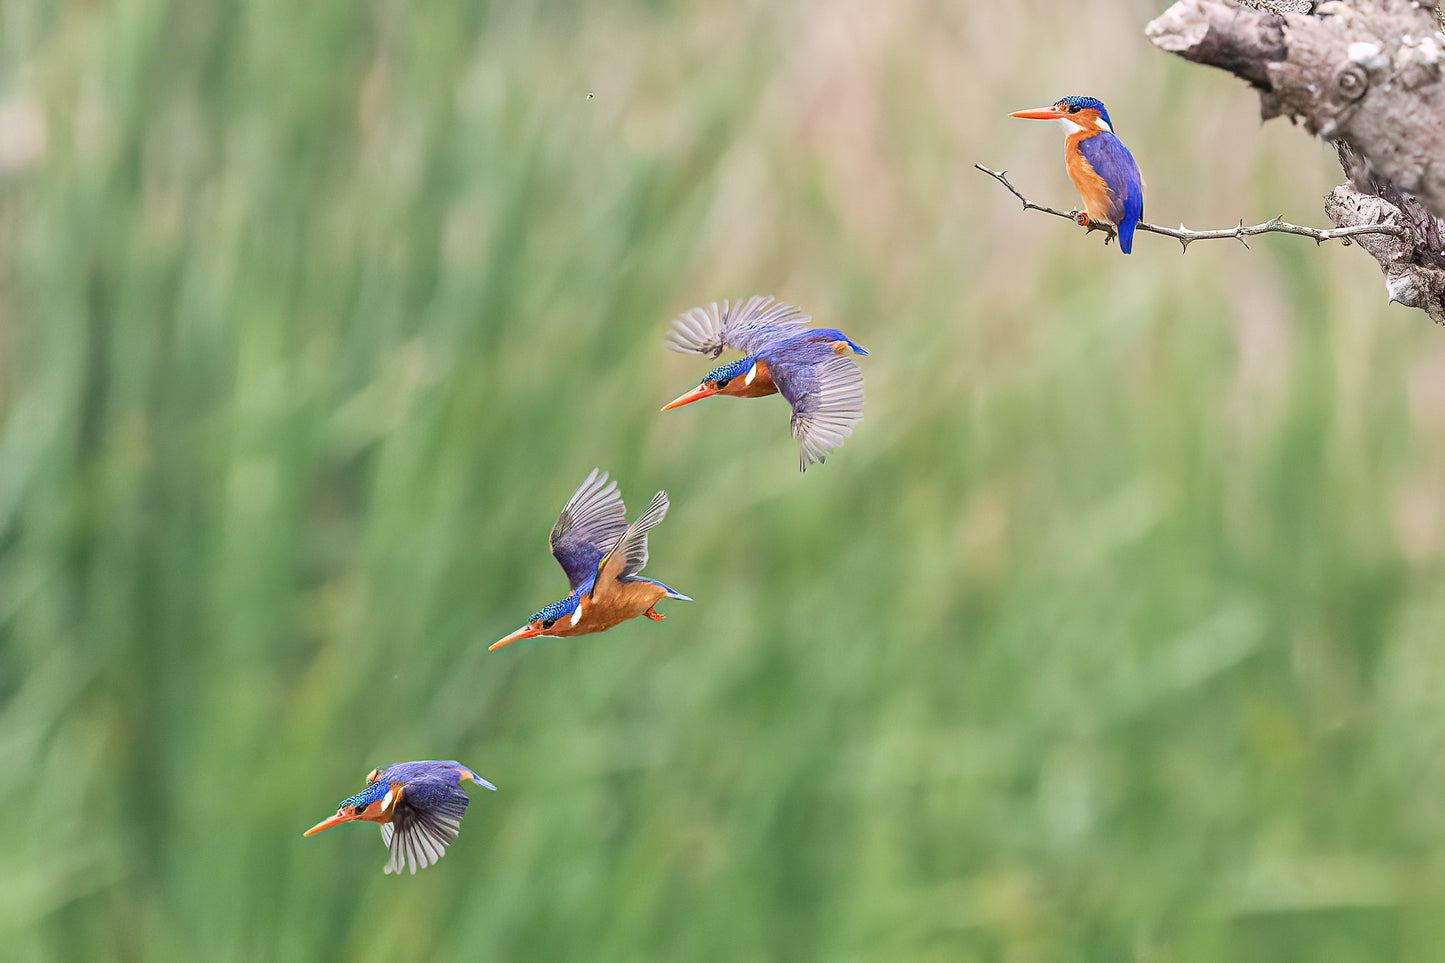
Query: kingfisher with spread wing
x,y
419,806
808,366
602,556
1099,164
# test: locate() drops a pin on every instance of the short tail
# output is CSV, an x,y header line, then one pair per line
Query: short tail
x,y
1126,235
673,593
841,342
1133,213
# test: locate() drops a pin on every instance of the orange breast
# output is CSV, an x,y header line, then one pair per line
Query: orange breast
x,y
611,604
1091,186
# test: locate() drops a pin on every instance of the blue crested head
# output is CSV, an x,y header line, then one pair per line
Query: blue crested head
x,y
368,795
1075,104
555,611
733,369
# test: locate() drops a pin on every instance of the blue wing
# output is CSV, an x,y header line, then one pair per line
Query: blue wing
x,y
591,522
825,390
1112,161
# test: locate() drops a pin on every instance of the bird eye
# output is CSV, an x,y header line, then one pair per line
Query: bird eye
x,y
1073,108
361,809
548,623
723,383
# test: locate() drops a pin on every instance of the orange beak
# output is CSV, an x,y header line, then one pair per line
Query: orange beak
x,y
1039,113
342,816
525,632
688,397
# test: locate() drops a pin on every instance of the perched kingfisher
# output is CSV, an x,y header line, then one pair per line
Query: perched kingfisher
x,y
601,555
1099,164
419,806
781,355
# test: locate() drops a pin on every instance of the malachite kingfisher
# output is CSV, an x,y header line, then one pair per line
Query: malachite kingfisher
x,y
781,355
419,806
1099,164
601,555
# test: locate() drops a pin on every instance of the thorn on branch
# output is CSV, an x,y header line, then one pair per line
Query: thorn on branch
x,y
1185,237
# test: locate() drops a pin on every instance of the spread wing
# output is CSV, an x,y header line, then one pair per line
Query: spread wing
x,y
427,819
629,555
745,326
1112,161
827,402
591,522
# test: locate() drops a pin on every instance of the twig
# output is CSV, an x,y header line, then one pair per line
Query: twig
x,y
1185,236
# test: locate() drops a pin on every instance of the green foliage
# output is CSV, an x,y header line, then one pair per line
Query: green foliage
x,y
1113,633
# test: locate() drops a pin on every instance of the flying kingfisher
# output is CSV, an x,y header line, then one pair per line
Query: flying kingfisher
x,y
781,355
1099,164
419,806
601,555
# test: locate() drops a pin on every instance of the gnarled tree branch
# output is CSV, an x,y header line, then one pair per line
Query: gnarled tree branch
x,y
1364,74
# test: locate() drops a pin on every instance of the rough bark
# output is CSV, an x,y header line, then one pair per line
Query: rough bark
x,y
1367,75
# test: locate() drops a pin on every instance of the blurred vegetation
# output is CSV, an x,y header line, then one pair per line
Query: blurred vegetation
x,y
1113,633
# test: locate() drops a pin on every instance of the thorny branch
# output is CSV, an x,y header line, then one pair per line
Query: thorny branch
x,y
1185,236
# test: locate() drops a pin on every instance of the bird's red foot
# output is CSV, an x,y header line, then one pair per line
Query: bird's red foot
x,y
1081,218
653,614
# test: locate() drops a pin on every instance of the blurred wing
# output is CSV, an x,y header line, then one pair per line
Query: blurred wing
x,y
629,555
417,836
827,402
591,521
746,326
1112,161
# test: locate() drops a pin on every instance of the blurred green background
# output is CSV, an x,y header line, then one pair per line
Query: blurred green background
x,y
1114,633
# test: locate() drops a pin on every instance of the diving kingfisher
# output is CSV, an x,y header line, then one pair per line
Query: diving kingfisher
x,y
781,355
419,806
601,555
1099,164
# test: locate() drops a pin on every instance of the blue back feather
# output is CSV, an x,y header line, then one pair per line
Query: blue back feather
x,y
1112,161
829,335
811,347
430,770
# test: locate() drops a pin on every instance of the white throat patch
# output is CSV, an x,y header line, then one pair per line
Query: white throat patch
x,y
752,373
